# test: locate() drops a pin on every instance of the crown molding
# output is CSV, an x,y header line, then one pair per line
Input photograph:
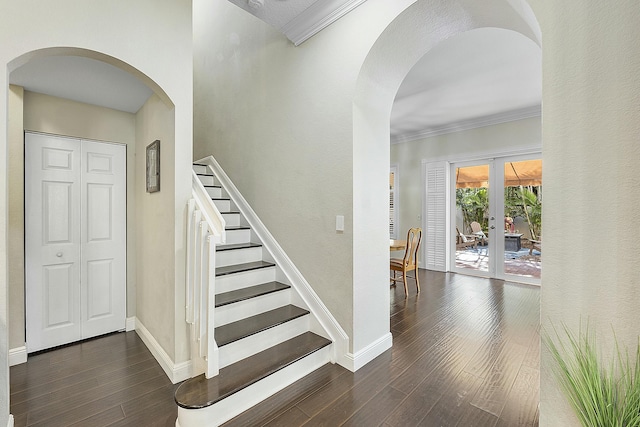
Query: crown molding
x,y
494,119
316,17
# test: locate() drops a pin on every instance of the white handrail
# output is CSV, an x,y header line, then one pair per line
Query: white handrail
x,y
205,228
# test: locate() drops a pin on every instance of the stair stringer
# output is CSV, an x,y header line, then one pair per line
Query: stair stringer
x,y
299,284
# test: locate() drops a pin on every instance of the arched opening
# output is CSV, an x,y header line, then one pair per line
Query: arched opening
x,y
415,32
84,117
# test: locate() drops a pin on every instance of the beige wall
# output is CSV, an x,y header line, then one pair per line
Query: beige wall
x,y
15,179
155,226
48,114
591,147
502,138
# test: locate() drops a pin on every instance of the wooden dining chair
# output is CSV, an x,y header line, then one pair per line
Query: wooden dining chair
x,y
410,260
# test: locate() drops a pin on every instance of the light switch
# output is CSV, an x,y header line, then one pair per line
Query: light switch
x,y
339,222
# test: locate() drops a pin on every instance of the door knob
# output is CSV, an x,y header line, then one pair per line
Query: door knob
x,y
492,227
59,254
492,218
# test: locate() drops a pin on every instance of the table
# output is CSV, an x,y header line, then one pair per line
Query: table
x,y
397,245
512,242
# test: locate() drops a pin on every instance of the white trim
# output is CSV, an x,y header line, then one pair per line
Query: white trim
x,y
297,281
367,354
316,17
10,421
17,355
494,119
175,371
484,155
130,324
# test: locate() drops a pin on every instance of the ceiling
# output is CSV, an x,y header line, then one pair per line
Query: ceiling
x,y
83,80
477,78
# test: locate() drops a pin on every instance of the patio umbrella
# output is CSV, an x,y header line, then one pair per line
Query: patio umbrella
x,y
526,172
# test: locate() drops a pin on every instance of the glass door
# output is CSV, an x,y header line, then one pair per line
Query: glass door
x,y
496,209
472,219
522,212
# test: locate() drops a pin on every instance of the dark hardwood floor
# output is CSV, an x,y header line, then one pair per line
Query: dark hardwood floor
x,y
465,353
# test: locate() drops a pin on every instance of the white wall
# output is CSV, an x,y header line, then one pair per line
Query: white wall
x,y
505,137
591,147
48,114
150,38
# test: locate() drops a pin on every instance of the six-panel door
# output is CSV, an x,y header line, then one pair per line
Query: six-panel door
x,y
75,237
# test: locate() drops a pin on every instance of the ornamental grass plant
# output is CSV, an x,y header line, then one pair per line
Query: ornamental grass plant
x,y
602,394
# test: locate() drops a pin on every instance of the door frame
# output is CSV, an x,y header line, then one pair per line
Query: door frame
x,y
495,248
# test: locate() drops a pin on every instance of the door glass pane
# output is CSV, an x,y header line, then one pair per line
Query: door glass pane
x,y
523,218
471,220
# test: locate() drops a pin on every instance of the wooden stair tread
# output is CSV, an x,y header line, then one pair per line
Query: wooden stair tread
x,y
199,164
198,392
237,268
249,292
205,174
237,227
212,186
235,331
231,247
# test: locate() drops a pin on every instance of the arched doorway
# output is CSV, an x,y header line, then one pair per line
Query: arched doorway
x,y
60,115
420,27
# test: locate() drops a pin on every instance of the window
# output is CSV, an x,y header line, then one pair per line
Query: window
x,y
393,202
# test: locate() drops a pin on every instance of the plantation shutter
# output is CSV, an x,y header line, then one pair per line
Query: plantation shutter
x,y
393,211
435,238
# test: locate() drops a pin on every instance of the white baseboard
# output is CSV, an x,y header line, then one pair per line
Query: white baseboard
x,y
175,371
130,324
353,362
17,355
10,421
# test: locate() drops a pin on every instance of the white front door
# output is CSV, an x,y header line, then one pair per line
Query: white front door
x,y
75,239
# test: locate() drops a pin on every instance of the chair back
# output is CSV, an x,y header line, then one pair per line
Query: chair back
x,y
414,236
475,227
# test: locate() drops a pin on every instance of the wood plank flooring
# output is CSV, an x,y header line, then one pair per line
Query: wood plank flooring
x,y
465,353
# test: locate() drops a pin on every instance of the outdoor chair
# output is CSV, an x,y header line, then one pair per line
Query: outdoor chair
x,y
535,244
410,260
465,240
476,230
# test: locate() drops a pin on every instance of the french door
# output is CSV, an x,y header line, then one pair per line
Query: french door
x,y
75,239
495,212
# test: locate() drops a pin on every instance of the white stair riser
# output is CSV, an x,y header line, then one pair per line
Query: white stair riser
x,y
238,350
200,169
214,192
243,309
206,179
238,256
220,412
231,282
231,219
238,236
223,205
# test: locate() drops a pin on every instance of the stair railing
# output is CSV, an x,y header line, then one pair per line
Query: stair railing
x,y
205,229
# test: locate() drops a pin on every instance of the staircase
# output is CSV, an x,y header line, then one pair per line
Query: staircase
x,y
265,334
